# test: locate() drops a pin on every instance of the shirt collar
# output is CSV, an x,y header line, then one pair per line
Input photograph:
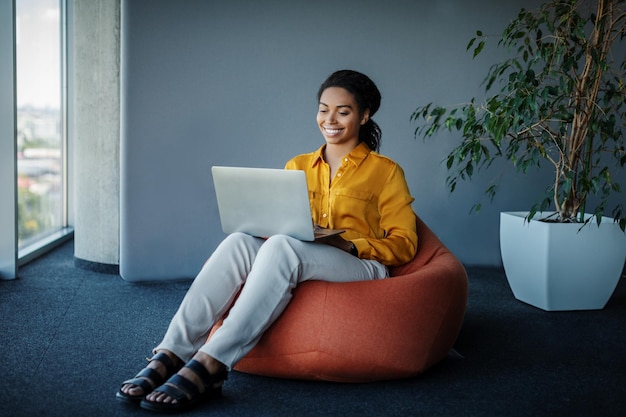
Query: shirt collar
x,y
356,156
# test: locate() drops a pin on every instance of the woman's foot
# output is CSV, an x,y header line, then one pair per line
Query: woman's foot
x,y
162,365
201,378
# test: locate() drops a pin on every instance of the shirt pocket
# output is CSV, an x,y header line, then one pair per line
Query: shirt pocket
x,y
354,204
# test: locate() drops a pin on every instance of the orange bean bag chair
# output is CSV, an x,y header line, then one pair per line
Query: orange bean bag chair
x,y
368,330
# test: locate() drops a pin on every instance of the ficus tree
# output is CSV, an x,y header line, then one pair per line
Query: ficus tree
x,y
557,96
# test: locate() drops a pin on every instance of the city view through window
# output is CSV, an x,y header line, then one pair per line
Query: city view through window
x,y
40,141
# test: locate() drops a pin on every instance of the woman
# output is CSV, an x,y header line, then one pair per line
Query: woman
x,y
351,187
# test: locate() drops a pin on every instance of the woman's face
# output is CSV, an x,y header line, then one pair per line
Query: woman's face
x,y
338,117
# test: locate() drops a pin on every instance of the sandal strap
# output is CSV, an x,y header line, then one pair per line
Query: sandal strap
x,y
162,357
202,373
142,383
149,378
149,373
186,392
179,388
146,379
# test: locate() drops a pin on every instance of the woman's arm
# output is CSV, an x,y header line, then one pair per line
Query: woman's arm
x,y
397,220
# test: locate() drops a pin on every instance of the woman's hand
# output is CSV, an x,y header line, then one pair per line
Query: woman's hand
x,y
338,242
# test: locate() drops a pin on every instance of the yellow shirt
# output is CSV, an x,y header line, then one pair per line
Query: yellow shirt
x,y
368,197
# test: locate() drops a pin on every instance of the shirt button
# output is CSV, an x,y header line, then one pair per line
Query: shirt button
x,y
339,174
324,215
345,160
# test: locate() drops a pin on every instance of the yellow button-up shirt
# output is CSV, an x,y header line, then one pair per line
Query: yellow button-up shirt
x,y
368,198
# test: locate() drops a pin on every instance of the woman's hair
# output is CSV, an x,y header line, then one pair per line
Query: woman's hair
x,y
365,94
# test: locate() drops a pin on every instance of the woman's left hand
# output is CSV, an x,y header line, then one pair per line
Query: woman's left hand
x,y
338,242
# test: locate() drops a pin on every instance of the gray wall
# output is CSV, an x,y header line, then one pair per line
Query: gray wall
x,y
233,83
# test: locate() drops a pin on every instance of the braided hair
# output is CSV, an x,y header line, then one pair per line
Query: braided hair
x,y
365,94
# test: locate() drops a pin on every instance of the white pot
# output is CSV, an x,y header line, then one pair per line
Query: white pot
x,y
559,266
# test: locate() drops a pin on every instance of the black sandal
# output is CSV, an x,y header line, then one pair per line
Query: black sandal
x,y
185,392
148,379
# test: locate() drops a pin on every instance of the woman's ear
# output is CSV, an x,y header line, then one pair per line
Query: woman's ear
x,y
366,117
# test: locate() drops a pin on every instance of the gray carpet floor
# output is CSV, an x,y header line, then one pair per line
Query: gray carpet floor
x,y
70,336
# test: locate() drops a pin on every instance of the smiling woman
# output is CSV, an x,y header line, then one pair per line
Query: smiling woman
x,y
251,279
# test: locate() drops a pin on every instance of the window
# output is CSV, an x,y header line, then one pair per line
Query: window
x,y
41,142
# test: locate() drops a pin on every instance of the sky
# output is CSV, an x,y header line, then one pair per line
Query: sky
x,y
38,53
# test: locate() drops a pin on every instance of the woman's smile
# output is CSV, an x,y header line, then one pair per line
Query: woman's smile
x,y
332,131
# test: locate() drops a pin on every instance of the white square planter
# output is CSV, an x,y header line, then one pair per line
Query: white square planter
x,y
558,266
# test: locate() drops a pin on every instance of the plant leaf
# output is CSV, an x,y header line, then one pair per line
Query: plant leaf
x,y
479,48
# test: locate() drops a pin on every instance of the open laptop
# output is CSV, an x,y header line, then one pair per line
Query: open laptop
x,y
264,202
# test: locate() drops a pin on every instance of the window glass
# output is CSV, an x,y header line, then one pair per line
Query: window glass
x,y
40,138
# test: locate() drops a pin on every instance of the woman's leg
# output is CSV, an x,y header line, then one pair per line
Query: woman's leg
x,y
210,295
281,263
208,298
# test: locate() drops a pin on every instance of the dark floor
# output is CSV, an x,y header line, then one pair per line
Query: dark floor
x,y
70,336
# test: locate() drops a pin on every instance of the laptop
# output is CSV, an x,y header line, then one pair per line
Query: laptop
x,y
264,202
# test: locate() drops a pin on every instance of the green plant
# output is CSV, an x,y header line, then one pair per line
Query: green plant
x,y
560,97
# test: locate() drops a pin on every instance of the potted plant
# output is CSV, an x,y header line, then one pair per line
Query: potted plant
x,y
559,97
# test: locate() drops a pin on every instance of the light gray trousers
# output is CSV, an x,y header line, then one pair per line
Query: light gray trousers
x,y
270,269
